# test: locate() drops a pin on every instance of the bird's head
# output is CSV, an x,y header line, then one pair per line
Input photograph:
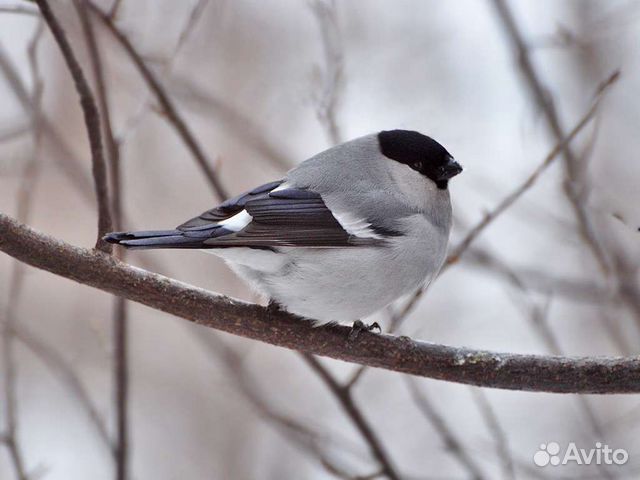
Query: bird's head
x,y
421,153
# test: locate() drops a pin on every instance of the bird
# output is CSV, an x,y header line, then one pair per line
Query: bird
x,y
342,235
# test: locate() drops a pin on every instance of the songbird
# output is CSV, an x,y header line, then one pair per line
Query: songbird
x,y
341,236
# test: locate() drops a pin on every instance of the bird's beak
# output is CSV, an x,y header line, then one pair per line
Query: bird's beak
x,y
449,170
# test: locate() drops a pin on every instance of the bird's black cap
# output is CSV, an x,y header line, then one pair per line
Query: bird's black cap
x,y
420,152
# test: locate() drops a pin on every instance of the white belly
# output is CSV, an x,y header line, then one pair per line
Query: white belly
x,y
341,284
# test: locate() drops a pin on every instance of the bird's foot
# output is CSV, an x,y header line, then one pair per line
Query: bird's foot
x,y
273,308
359,326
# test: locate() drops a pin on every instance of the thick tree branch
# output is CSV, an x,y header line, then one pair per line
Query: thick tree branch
x,y
92,123
401,354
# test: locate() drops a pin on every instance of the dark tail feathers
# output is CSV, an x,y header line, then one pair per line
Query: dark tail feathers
x,y
155,239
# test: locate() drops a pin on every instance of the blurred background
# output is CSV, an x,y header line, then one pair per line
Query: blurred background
x,y
263,85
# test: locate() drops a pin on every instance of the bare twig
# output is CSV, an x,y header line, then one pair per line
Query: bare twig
x,y
92,123
355,377
121,393
112,146
355,415
120,323
115,7
66,161
9,436
167,63
457,364
499,435
61,368
333,72
531,180
510,199
453,445
15,132
194,16
543,98
300,435
16,281
235,121
531,279
167,105
20,9
64,157
538,317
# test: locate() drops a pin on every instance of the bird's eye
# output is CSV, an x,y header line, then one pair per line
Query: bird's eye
x,y
416,166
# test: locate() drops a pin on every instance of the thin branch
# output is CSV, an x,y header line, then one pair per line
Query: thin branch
x,y
111,144
510,199
538,317
15,132
121,393
62,369
453,445
16,280
9,436
64,156
20,9
529,279
355,415
66,160
167,105
242,126
293,430
333,72
401,354
92,123
120,313
498,433
355,377
543,98
130,125
187,30
113,11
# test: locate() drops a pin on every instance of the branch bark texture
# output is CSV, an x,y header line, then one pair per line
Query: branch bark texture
x,y
401,354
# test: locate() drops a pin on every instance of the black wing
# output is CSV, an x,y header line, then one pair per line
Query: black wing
x,y
230,207
290,217
284,218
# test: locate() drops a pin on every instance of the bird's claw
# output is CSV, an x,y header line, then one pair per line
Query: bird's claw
x,y
359,326
273,308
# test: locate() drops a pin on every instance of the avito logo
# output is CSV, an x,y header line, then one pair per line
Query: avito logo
x,y
550,454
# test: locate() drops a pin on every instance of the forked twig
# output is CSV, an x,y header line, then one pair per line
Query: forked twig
x,y
512,197
167,105
92,124
355,415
